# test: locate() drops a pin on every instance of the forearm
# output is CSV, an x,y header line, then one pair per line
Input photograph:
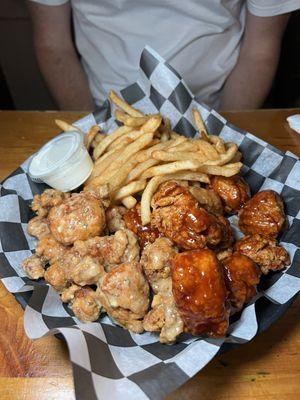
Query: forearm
x,y
249,83
251,79
65,78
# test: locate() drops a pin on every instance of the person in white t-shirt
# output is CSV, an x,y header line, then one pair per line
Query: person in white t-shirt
x,y
227,51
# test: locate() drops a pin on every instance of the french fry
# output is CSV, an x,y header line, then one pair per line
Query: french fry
x,y
136,146
175,135
93,144
184,146
119,177
106,160
98,138
140,168
150,189
102,146
207,199
118,166
131,188
123,105
177,141
144,155
200,125
128,120
170,168
65,126
237,157
225,170
151,124
178,156
218,144
207,149
165,136
129,138
89,137
129,202
226,157
190,176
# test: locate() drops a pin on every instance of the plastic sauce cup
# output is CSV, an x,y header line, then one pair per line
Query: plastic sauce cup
x,y
63,163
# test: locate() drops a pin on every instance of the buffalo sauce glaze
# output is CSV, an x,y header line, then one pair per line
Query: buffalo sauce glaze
x,y
200,293
146,234
263,214
234,191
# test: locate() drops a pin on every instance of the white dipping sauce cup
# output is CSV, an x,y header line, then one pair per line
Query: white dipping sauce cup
x,y
63,163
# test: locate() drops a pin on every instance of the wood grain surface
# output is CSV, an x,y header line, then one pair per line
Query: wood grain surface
x,y
267,368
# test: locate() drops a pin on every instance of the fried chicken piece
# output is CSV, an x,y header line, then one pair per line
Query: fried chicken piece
x,y
68,294
114,218
263,251
227,237
241,277
74,268
78,217
263,214
86,305
222,254
50,249
111,250
177,215
42,203
124,294
87,271
208,199
164,316
34,266
56,276
146,234
200,293
38,227
156,261
234,191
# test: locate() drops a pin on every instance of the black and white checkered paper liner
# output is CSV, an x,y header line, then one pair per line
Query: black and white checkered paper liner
x,y
108,361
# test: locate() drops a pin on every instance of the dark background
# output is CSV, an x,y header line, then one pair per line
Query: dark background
x,y
22,88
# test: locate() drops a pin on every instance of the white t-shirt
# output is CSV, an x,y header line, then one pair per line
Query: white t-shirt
x,y
199,38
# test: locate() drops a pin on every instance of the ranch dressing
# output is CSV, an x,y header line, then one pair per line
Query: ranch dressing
x,y
63,163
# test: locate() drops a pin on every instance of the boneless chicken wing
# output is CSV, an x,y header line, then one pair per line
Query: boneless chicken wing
x,y
86,305
50,249
262,214
146,233
124,294
34,267
234,191
200,293
177,215
241,277
74,268
42,203
264,251
156,262
78,217
163,316
38,227
114,218
111,250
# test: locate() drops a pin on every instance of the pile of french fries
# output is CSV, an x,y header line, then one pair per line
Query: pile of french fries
x,y
145,152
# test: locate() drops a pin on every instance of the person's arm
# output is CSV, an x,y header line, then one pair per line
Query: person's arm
x,y
57,57
250,81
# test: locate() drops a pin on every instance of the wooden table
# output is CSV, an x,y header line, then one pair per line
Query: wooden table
x,y
267,368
